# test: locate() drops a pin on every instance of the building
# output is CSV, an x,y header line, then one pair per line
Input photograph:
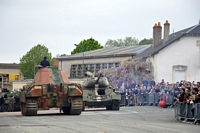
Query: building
x,y
96,60
9,72
175,57
17,85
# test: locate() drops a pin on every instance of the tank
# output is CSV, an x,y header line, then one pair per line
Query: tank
x,y
50,89
97,92
8,95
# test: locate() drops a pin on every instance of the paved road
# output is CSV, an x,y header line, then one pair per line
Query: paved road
x,y
139,119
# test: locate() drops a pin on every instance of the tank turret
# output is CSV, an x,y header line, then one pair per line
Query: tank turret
x,y
51,88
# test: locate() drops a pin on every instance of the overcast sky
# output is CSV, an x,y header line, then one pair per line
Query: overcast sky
x,y
59,24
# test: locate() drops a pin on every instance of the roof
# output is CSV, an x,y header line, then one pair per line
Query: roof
x,y
107,52
9,66
191,31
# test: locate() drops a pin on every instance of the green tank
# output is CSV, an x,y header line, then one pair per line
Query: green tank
x,y
50,89
8,95
97,92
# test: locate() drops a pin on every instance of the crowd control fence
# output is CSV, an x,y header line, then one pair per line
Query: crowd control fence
x,y
146,100
187,111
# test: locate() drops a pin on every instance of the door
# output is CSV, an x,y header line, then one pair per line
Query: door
x,y
179,75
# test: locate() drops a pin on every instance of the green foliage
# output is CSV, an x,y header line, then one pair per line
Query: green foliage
x,y
146,41
87,45
33,58
127,41
59,55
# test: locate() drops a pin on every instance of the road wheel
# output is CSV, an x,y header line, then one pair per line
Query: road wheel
x,y
30,107
115,105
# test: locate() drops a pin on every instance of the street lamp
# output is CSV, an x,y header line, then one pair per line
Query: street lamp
x,y
82,56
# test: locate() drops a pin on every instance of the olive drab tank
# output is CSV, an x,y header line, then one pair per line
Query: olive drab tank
x,y
8,95
51,88
97,92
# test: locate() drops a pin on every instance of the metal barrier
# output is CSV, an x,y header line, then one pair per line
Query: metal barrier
x,y
183,111
144,99
157,99
168,99
140,99
123,100
187,111
151,99
197,112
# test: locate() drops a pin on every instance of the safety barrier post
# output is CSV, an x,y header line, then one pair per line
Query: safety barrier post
x,y
197,112
156,99
123,100
151,99
135,100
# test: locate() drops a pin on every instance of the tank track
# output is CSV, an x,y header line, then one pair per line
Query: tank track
x,y
75,107
29,108
115,106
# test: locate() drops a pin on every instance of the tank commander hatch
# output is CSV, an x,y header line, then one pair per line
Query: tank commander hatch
x,y
45,62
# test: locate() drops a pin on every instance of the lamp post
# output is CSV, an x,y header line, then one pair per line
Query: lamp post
x,y
82,58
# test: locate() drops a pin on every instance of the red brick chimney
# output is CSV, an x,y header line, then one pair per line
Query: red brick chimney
x,y
154,34
166,31
157,34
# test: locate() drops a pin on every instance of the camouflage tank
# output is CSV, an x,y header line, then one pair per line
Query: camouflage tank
x,y
8,95
97,92
51,88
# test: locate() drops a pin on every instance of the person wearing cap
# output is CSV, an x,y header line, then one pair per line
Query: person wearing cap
x,y
45,62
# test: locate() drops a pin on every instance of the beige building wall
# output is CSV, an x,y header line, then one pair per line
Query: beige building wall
x,y
10,71
17,85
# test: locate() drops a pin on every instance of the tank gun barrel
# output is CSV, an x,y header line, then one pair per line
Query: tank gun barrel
x,y
97,81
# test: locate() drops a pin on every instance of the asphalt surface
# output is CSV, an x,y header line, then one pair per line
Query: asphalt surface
x,y
139,119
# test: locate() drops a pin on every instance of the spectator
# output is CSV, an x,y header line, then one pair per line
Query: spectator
x,y
2,102
145,82
12,103
127,97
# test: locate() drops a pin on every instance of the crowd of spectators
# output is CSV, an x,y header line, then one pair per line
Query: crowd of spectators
x,y
183,91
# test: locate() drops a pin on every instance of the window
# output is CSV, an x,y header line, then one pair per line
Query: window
x,y
104,66
110,65
179,73
73,71
16,77
91,67
76,70
117,64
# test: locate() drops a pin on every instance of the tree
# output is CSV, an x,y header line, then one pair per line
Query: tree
x,y
32,58
128,41
59,55
87,45
146,41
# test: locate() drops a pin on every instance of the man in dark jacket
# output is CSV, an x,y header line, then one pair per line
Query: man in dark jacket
x,y
45,63
2,101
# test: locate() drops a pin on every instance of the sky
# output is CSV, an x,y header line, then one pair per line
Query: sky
x,y
59,24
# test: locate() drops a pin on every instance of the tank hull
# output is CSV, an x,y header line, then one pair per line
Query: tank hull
x,y
51,89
